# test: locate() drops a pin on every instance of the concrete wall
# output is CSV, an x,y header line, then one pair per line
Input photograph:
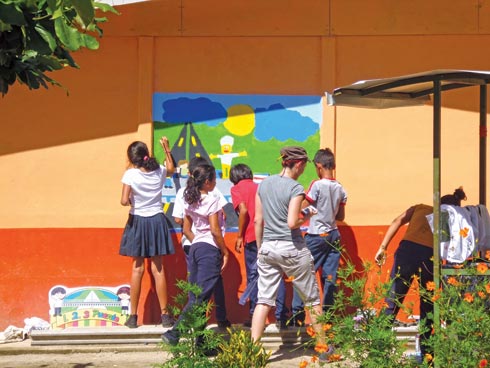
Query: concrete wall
x,y
62,155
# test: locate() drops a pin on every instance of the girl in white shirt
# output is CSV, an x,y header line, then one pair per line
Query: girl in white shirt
x,y
208,254
146,234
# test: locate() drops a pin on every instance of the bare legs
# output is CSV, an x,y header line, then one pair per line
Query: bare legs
x,y
158,272
136,276
262,310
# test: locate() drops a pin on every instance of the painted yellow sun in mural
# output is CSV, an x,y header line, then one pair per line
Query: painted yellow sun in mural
x,y
241,120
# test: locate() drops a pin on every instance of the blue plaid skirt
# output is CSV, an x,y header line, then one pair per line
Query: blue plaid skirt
x,y
146,237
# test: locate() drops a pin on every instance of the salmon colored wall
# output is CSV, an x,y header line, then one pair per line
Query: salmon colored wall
x,y
88,257
62,156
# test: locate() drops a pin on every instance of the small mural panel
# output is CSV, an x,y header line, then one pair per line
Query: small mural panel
x,y
88,306
231,129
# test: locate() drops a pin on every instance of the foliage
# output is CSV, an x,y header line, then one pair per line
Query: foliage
x,y
462,338
367,339
37,37
356,325
192,328
240,351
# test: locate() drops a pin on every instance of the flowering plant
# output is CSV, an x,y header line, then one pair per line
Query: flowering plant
x,y
363,336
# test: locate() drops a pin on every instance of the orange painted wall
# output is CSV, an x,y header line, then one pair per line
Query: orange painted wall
x,y
62,156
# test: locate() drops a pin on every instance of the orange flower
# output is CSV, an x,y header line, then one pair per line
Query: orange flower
x,y
452,281
338,282
464,232
436,297
458,266
314,359
487,254
310,331
483,363
468,297
321,348
289,279
431,285
303,364
327,326
334,357
482,268
329,277
428,357
487,288
481,294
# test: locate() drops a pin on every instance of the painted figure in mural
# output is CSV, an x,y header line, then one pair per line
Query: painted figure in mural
x,y
123,293
227,155
204,226
327,196
281,247
243,197
413,258
178,215
57,295
146,234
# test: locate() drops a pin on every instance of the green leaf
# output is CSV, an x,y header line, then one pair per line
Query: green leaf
x,y
85,10
89,42
68,36
105,7
46,36
11,15
5,27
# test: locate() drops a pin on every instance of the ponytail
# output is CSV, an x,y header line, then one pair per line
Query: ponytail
x,y
195,182
455,198
139,156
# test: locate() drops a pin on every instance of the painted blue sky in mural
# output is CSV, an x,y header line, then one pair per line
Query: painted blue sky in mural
x,y
276,116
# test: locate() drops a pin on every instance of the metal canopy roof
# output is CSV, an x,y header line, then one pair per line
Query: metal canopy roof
x,y
407,90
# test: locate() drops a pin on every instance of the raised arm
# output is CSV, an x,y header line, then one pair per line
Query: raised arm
x,y
169,162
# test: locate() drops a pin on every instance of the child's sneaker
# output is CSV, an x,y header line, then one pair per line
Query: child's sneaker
x,y
167,321
132,321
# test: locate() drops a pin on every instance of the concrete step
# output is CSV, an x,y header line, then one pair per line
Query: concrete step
x,y
151,334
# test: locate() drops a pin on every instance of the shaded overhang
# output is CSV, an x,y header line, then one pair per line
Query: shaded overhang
x,y
407,90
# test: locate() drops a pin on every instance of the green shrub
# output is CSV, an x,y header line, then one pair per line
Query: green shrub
x,y
241,352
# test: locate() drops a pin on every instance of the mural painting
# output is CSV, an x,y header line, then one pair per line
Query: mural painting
x,y
88,306
231,129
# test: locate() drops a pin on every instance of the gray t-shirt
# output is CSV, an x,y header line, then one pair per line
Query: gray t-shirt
x,y
327,195
275,193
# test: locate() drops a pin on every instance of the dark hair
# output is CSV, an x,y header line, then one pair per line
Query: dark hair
x,y
195,182
58,289
240,172
455,198
326,158
123,290
197,161
139,156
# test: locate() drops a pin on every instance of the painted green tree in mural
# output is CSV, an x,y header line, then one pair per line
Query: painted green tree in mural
x,y
38,37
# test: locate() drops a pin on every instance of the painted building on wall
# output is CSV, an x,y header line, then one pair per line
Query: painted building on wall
x,y
62,156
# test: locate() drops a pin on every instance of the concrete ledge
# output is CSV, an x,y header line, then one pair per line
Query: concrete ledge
x,y
147,338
